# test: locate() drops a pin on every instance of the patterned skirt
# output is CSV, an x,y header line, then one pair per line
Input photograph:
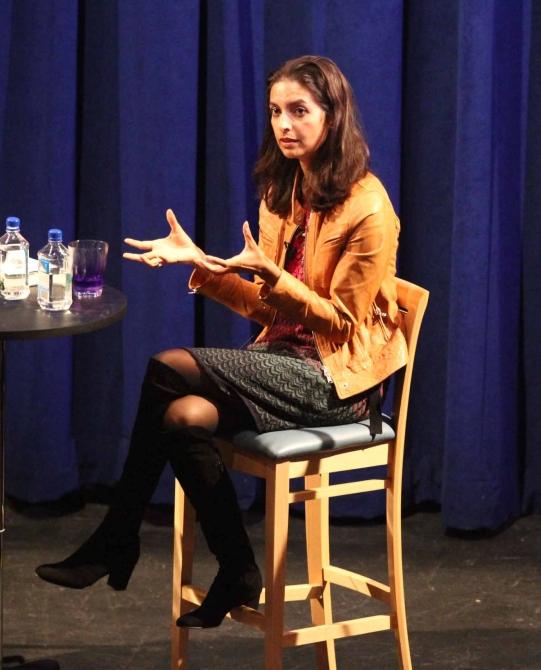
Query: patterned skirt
x,y
281,386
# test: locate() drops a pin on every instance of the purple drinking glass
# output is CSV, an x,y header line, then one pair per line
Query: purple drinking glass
x,y
89,260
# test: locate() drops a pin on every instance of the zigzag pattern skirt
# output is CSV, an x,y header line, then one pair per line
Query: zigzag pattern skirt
x,y
280,387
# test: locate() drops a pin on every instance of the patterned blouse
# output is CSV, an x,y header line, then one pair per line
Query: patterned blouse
x,y
285,331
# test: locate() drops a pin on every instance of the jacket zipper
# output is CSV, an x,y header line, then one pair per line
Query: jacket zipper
x,y
281,237
379,315
324,368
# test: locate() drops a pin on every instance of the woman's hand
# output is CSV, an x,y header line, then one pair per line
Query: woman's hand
x,y
177,247
250,259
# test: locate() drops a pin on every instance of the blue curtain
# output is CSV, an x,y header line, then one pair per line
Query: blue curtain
x,y
112,112
468,69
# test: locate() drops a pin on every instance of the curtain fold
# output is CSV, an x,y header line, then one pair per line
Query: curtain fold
x,y
37,183
112,112
530,396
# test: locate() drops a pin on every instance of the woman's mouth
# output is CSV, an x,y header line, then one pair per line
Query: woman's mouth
x,y
287,141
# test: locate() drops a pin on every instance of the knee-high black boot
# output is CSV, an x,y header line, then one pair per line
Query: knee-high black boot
x,y
113,549
205,480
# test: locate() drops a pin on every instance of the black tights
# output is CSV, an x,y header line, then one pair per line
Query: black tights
x,y
180,410
202,407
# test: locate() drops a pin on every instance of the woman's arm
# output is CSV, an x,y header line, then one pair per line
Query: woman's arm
x,y
237,293
228,288
176,248
349,288
354,284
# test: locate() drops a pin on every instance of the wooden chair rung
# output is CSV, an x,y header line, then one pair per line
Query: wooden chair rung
x,y
326,462
346,489
193,594
356,582
296,592
248,616
334,631
293,592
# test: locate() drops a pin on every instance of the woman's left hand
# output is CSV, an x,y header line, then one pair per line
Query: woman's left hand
x,y
250,259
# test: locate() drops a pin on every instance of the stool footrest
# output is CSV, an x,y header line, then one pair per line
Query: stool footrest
x,y
297,637
338,490
193,595
334,631
295,592
249,617
356,582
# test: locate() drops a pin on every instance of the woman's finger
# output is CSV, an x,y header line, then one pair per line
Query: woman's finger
x,y
151,261
172,220
138,244
248,233
178,231
133,257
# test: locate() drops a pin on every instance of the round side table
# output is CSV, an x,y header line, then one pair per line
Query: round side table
x,y
24,320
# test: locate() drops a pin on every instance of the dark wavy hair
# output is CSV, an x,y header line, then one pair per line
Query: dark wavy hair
x,y
341,159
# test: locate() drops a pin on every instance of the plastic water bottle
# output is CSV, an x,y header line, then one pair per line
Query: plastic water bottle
x,y
54,274
13,262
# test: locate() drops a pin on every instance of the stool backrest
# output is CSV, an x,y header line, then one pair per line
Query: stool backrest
x,y
412,302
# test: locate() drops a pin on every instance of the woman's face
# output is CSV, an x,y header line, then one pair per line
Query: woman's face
x,y
298,121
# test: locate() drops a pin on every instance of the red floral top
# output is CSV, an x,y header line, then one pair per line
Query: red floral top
x,y
285,330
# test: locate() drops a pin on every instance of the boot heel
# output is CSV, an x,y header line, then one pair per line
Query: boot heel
x,y
254,603
123,566
95,558
119,580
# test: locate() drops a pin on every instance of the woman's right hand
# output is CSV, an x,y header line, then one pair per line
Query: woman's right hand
x,y
177,247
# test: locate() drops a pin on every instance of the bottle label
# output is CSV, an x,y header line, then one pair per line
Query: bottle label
x,y
14,263
60,279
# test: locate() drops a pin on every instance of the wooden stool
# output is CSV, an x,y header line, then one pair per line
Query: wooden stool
x,y
314,454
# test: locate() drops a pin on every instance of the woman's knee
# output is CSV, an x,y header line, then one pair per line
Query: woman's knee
x,y
193,414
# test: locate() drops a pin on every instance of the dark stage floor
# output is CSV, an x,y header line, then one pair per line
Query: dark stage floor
x,y
473,604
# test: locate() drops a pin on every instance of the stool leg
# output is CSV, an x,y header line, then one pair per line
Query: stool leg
x,y
396,576
318,557
276,527
183,548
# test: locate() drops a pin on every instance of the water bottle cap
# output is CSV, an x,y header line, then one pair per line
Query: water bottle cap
x,y
55,235
13,223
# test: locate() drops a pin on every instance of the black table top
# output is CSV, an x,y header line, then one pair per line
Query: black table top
x,y
25,320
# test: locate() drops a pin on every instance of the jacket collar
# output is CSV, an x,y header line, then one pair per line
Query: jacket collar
x,y
296,216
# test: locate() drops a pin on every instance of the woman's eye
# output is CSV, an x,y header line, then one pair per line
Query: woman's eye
x,y
274,111
300,111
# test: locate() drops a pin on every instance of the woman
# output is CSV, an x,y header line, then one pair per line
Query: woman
x,y
324,290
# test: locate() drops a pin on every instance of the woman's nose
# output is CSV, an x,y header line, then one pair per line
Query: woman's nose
x,y
285,123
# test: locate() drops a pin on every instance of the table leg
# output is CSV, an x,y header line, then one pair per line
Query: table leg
x,y
2,526
6,663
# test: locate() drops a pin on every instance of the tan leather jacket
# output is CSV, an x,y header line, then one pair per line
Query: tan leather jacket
x,y
349,298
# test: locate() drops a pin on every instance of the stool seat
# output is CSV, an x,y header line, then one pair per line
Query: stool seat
x,y
299,442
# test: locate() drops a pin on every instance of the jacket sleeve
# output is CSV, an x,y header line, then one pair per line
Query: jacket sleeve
x,y
235,292
353,286
240,295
